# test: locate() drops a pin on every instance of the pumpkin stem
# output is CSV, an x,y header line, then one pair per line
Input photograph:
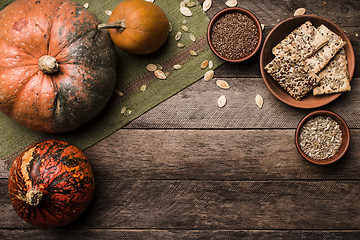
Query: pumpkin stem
x,y
119,25
48,64
33,197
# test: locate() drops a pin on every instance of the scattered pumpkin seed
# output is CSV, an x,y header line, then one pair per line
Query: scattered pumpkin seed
x,y
108,12
186,11
206,5
182,4
177,36
185,28
167,74
209,75
123,110
160,74
262,26
211,64
128,112
193,53
204,64
192,37
151,67
186,1
221,101
170,27
177,66
119,93
184,21
259,101
231,3
159,67
86,5
222,84
143,88
191,4
299,11
180,45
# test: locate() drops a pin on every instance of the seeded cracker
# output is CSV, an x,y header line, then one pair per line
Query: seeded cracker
x,y
301,43
335,76
295,78
322,57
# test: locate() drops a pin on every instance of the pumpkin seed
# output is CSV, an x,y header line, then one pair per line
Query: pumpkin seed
x,y
191,4
204,64
108,12
231,3
180,45
123,110
262,26
193,53
143,88
299,11
259,101
170,27
192,37
206,5
119,93
186,11
221,101
209,75
177,66
177,36
127,112
222,84
186,1
160,74
184,21
211,64
151,67
182,4
159,67
185,28
86,5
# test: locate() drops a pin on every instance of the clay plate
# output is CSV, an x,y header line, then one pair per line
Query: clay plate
x,y
277,34
245,12
345,137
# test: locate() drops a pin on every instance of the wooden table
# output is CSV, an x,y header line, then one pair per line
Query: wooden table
x,y
190,170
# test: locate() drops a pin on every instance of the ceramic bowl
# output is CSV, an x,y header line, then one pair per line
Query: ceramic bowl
x,y
232,10
345,136
278,33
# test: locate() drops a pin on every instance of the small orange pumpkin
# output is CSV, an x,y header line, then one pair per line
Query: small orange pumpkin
x,y
137,26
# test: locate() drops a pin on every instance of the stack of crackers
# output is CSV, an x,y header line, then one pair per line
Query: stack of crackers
x,y
310,59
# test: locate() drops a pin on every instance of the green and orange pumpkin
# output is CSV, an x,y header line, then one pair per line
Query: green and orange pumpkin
x,y
57,71
50,183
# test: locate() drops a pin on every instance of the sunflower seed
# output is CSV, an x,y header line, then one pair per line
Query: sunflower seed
x,y
185,28
231,3
192,37
259,101
151,67
180,45
170,27
86,5
127,112
160,74
177,66
108,12
123,110
186,11
143,88
204,64
262,26
211,64
222,84
299,11
178,36
191,4
221,101
119,93
206,5
209,75
193,53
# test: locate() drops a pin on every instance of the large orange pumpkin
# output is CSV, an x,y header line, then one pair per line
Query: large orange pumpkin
x,y
138,26
57,71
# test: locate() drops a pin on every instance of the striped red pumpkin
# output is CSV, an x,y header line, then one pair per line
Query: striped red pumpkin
x,y
51,183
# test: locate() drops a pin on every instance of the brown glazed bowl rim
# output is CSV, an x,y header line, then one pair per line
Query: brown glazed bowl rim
x,y
280,31
243,11
345,136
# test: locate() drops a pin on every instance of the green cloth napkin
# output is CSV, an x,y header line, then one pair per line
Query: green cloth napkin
x,y
132,74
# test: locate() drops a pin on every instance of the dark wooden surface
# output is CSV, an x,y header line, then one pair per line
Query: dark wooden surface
x,y
190,170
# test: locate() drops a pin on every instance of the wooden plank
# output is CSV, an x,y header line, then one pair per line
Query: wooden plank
x,y
196,107
212,155
134,234
201,205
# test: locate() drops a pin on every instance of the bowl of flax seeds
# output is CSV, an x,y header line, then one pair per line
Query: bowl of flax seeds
x,y
322,137
234,34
